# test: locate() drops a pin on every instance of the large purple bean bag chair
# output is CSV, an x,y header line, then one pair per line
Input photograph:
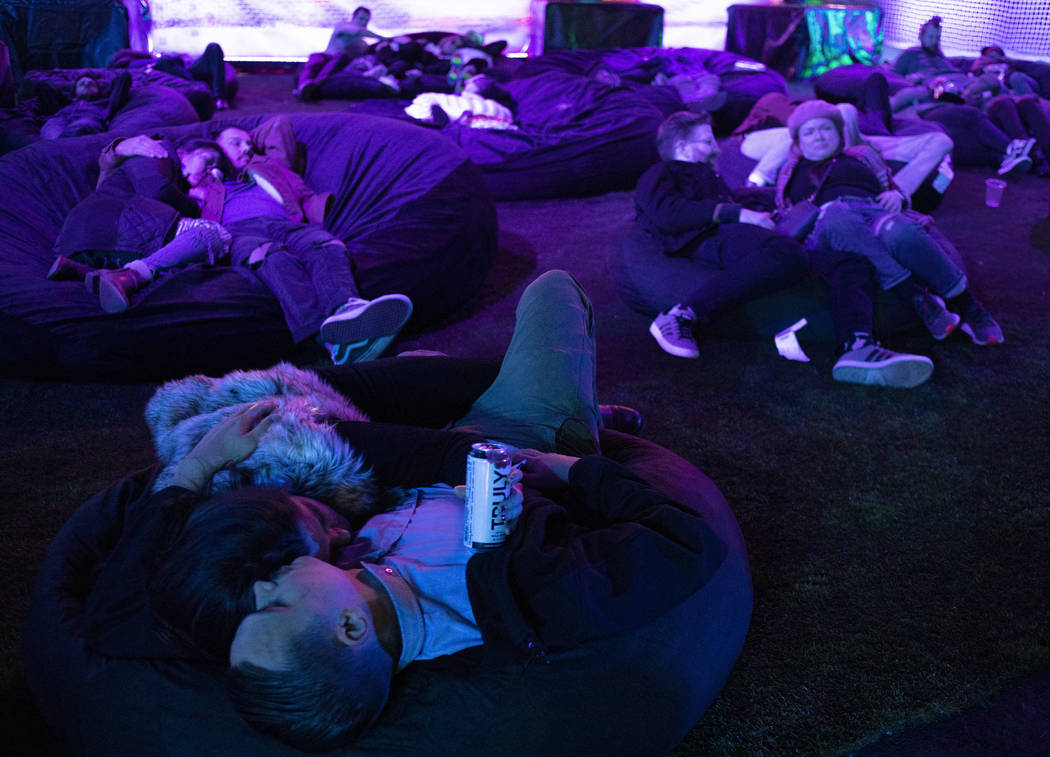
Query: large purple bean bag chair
x,y
413,211
843,83
740,77
64,79
577,137
643,703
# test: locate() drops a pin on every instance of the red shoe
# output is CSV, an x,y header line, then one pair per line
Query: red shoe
x,y
66,269
116,287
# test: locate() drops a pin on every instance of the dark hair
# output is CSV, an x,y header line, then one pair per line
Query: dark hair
x,y
676,127
202,584
993,49
361,9
328,697
191,143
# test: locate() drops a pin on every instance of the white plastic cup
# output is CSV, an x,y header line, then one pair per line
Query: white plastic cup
x,y
993,192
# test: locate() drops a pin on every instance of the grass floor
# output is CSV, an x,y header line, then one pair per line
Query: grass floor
x,y
899,539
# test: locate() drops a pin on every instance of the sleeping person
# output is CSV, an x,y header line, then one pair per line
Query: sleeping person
x,y
90,112
276,220
415,592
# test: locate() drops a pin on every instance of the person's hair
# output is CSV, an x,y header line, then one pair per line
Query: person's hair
x,y
993,50
361,9
677,127
194,143
328,695
201,587
934,21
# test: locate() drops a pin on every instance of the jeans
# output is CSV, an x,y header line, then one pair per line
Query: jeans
x,y
1020,118
548,374
195,241
979,143
306,268
896,244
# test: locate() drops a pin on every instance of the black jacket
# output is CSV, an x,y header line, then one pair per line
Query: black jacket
x,y
133,213
679,204
607,554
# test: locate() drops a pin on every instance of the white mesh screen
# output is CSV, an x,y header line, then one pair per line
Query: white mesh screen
x,y
1020,27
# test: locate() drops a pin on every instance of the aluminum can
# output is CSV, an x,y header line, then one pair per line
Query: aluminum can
x,y
488,484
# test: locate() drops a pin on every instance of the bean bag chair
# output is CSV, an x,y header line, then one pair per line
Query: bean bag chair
x,y
576,137
843,83
64,79
743,79
631,694
412,210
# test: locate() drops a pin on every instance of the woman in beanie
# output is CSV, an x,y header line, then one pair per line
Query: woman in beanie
x,y
861,212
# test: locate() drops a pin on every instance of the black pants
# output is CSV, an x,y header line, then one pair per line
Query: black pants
x,y
411,401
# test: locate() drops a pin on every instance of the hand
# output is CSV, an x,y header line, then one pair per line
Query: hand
x,y
228,442
141,146
204,186
544,470
892,200
513,502
756,218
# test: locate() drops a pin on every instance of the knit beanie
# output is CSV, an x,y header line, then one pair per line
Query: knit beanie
x,y
813,109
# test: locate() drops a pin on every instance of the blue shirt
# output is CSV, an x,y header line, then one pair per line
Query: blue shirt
x,y
416,552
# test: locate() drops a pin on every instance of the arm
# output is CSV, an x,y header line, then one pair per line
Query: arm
x,y
159,179
230,441
641,554
663,204
122,148
275,138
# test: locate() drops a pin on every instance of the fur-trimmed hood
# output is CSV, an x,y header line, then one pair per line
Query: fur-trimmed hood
x,y
300,451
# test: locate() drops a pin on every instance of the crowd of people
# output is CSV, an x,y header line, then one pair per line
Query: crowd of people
x,y
312,642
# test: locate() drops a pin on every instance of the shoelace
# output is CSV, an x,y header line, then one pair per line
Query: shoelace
x,y
679,327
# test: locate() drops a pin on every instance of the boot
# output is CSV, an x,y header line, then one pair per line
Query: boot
x,y
66,269
116,287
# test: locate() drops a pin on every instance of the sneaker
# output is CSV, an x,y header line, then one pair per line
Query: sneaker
x,y
673,331
868,362
1014,166
979,324
934,315
621,418
1020,146
359,319
358,352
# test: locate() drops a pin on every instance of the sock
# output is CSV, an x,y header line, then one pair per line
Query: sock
x,y
960,303
141,269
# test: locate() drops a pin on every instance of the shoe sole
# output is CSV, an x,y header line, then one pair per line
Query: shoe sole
x,y
949,329
966,329
112,298
669,348
369,350
1018,169
899,372
383,316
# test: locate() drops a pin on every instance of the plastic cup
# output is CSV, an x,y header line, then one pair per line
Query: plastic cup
x,y
993,192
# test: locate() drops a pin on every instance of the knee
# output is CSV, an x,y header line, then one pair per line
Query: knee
x,y
939,142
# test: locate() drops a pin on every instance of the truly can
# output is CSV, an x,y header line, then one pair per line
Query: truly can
x,y
488,484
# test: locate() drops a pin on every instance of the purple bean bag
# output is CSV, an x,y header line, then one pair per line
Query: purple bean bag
x,y
64,79
577,137
743,84
138,703
843,84
413,211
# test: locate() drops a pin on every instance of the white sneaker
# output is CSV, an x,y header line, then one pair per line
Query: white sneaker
x,y
673,331
360,319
